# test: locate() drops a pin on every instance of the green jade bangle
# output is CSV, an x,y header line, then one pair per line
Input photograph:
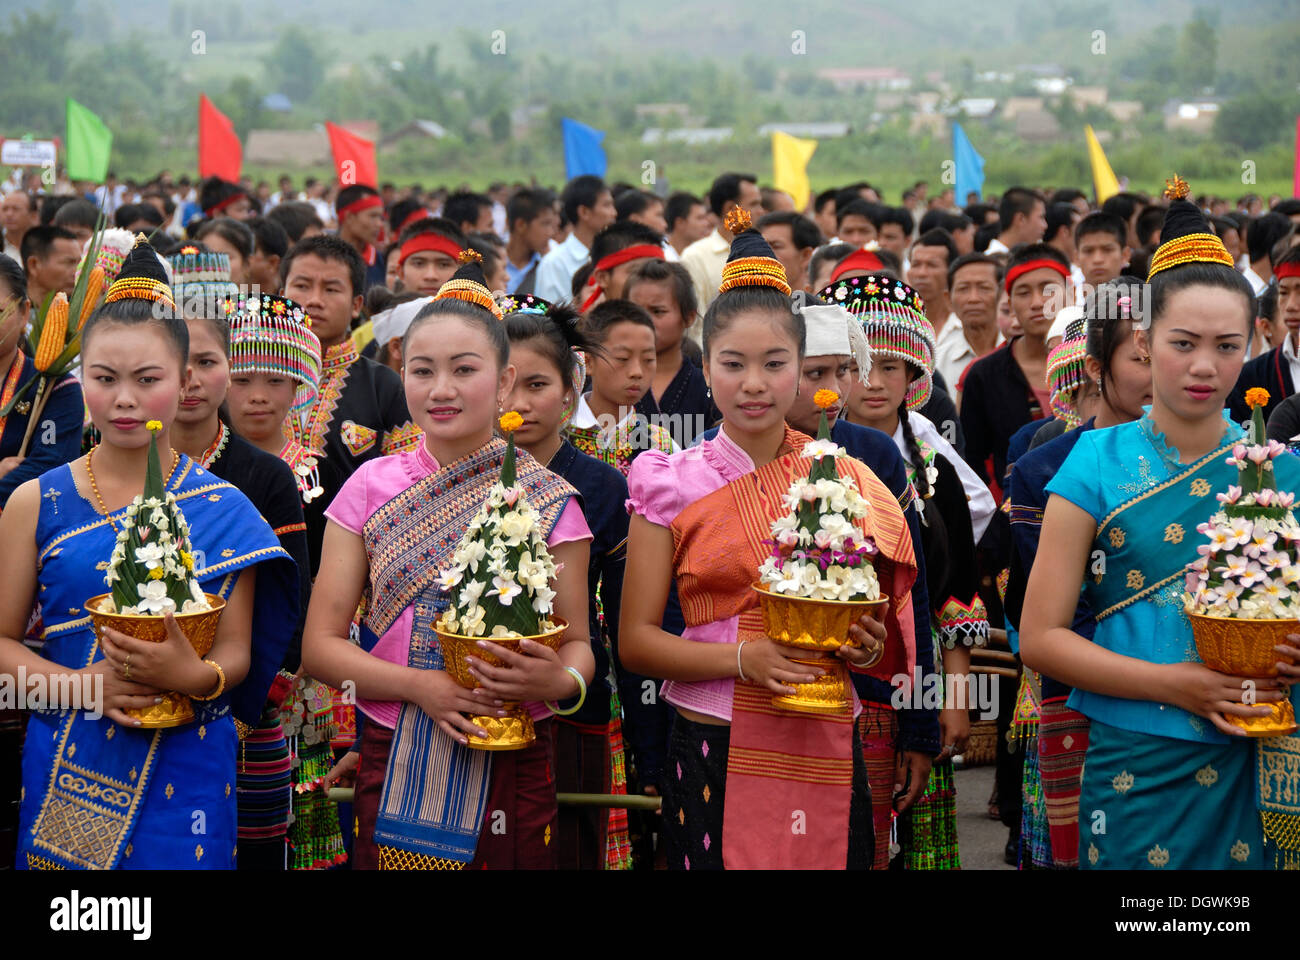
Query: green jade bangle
x,y
582,696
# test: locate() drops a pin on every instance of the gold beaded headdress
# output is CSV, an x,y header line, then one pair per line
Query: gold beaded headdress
x,y
1185,237
142,277
469,284
751,263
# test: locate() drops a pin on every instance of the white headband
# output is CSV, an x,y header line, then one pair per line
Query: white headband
x,y
395,322
832,331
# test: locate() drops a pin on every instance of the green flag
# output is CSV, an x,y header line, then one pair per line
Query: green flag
x,y
89,144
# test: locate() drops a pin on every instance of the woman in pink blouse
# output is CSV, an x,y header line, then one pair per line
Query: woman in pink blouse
x,y
393,525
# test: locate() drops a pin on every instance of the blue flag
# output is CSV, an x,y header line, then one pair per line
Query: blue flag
x,y
582,150
969,166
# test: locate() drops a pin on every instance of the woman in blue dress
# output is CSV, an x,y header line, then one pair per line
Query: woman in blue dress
x,y
100,791
1168,782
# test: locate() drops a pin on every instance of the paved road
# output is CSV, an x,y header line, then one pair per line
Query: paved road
x,y
979,839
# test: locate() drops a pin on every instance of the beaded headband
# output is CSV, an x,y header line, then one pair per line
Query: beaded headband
x,y
1065,375
893,318
1198,246
114,244
140,288
467,289
533,305
270,334
758,270
139,283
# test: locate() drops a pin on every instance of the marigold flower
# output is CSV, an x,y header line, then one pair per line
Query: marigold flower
x,y
1256,397
510,422
154,426
825,398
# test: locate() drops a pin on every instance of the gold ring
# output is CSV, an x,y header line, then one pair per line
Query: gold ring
x,y
126,668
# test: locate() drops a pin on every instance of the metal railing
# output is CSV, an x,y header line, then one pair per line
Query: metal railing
x,y
627,802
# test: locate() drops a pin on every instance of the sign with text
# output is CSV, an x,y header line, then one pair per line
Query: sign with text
x,y
27,153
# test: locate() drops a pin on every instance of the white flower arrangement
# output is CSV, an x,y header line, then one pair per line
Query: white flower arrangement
x,y
500,574
1249,567
817,552
151,570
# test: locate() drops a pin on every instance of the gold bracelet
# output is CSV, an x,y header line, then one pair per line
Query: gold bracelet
x,y
880,652
221,682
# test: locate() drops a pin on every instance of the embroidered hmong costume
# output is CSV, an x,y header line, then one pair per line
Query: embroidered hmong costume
x,y
421,797
359,412
146,783
893,321
55,440
620,445
264,774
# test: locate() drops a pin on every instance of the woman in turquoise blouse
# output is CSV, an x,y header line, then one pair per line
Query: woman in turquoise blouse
x,y
1168,782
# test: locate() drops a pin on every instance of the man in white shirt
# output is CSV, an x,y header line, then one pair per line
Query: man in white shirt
x,y
589,207
1022,216
1262,235
972,330
927,273
19,212
688,220
705,258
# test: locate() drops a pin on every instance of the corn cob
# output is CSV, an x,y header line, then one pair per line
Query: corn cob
x,y
94,287
53,333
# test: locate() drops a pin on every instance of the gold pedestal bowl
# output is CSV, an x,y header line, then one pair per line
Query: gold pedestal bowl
x,y
515,730
1244,648
200,629
815,627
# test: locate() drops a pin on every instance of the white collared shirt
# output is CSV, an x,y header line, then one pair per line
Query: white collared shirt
x,y
555,272
1256,281
704,260
953,352
1289,352
978,497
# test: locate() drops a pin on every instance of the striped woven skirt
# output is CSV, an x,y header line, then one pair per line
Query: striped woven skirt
x,y
264,790
878,731
694,794
1062,746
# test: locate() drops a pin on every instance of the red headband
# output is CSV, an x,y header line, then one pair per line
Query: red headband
x,y
640,251
427,241
217,208
1044,264
415,216
356,206
1291,269
857,260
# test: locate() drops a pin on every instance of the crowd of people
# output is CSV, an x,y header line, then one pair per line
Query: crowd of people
x,y
329,367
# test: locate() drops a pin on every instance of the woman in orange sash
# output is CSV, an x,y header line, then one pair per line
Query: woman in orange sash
x,y
748,785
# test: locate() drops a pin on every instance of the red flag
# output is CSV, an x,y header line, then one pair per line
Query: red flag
x,y
354,157
1295,185
220,154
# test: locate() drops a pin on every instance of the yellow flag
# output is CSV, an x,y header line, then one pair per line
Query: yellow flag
x,y
790,156
1103,177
